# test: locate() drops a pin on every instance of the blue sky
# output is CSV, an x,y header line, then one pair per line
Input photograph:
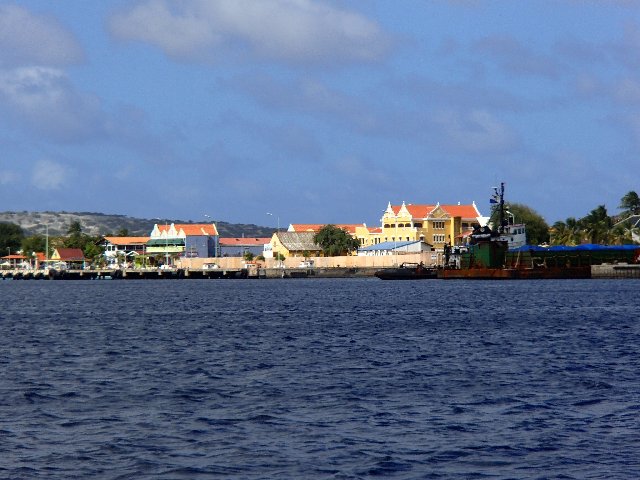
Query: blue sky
x,y
316,110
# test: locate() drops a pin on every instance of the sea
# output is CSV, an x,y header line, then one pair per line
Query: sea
x,y
320,379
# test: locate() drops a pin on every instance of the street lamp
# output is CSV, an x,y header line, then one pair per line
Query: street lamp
x,y
278,219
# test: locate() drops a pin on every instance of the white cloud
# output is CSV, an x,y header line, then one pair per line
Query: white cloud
x,y
48,175
45,100
28,39
291,31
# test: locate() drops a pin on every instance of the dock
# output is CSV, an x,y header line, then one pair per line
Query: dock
x,y
186,273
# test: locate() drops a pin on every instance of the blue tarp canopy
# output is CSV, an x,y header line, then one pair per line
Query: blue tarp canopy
x,y
591,247
387,246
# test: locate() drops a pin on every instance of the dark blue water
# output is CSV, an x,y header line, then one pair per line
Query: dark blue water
x,y
319,379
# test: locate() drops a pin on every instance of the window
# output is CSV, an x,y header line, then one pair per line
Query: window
x,y
438,239
417,225
438,225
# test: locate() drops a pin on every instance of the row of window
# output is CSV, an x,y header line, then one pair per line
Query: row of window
x,y
438,225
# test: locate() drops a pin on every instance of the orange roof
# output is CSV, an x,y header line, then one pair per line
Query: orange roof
x,y
245,242
14,257
192,229
315,227
423,211
126,240
464,211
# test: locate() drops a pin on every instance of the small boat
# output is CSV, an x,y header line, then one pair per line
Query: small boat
x,y
407,271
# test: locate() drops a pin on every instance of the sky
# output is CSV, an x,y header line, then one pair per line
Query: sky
x,y
317,111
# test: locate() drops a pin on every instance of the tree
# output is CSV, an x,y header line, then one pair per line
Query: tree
x,y
248,256
335,241
537,228
566,233
35,243
76,238
11,237
630,203
597,225
123,232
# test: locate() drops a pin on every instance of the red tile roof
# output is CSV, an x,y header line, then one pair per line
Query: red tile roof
x,y
423,211
70,254
464,211
127,240
315,227
243,242
416,211
192,229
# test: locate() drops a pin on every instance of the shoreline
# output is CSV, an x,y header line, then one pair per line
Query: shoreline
x,y
603,271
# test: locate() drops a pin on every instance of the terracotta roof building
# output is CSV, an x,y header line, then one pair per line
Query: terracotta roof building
x,y
188,240
433,224
238,247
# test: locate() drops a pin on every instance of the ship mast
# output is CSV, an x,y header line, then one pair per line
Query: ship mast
x,y
499,196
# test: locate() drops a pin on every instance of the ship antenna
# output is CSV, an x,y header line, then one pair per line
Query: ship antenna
x,y
501,194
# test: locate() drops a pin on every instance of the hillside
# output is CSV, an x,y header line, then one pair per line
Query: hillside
x,y
100,224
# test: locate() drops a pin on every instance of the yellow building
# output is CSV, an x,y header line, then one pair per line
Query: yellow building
x,y
292,244
434,224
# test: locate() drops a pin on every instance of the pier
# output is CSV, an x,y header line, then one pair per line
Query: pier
x,y
188,273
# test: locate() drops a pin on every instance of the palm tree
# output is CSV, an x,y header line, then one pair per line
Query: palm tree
x,y
568,232
630,203
597,225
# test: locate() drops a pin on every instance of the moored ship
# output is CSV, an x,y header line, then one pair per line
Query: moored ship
x,y
407,271
488,257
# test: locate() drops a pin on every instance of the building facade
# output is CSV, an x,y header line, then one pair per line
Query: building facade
x,y
239,247
117,249
292,244
190,240
437,225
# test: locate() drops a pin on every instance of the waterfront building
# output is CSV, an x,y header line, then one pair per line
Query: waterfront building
x,y
365,235
125,249
292,244
71,257
238,247
436,225
13,261
189,240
